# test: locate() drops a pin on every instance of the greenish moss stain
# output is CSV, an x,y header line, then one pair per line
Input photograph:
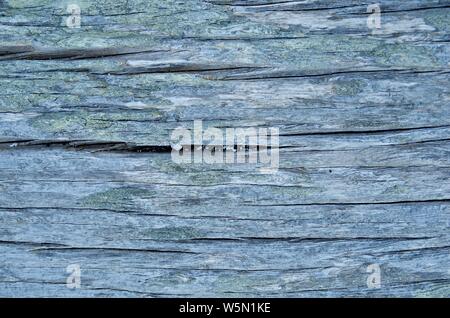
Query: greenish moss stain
x,y
349,88
440,19
406,56
115,198
173,233
208,178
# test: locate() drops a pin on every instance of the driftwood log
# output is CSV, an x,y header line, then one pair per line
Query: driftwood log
x,y
86,175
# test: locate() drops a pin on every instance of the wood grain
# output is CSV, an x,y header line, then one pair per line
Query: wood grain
x,y
86,175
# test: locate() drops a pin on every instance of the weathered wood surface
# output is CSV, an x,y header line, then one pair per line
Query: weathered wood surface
x,y
86,175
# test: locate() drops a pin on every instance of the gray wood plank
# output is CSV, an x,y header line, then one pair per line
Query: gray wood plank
x,y
86,175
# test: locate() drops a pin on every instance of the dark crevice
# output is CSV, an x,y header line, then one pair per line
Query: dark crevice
x,y
100,146
111,249
193,68
287,75
353,203
306,239
358,132
28,53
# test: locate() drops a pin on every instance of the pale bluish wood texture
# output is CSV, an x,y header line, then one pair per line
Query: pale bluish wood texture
x,y
86,175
